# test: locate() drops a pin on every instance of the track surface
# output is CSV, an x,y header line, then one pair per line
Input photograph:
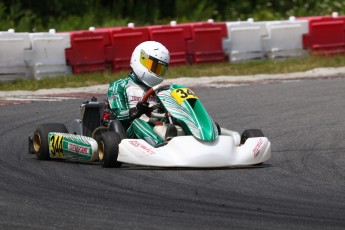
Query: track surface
x,y
301,187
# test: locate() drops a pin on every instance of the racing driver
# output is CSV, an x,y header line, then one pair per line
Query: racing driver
x,y
149,63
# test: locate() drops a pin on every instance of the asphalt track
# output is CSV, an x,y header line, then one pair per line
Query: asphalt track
x,y
301,187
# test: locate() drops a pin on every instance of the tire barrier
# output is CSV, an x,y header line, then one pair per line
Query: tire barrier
x,y
283,39
12,62
175,38
88,50
44,55
326,34
206,42
245,40
46,58
123,40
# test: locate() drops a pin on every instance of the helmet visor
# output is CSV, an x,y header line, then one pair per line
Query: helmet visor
x,y
153,64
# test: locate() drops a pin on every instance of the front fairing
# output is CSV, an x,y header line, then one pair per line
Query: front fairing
x,y
186,108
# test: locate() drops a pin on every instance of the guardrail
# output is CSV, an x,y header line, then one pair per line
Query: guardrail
x,y
44,55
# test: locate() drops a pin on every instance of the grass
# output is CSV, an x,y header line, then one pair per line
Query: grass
x,y
215,69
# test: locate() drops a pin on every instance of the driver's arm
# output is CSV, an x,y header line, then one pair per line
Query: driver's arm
x,y
118,100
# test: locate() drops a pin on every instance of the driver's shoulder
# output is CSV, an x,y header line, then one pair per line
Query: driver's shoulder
x,y
119,84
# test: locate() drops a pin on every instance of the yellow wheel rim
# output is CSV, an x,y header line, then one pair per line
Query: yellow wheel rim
x,y
101,151
37,142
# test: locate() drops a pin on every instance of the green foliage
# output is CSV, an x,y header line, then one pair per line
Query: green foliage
x,y
68,15
194,10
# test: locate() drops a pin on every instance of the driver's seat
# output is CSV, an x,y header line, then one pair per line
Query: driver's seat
x,y
167,132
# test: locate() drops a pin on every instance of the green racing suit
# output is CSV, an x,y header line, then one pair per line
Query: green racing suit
x,y
123,96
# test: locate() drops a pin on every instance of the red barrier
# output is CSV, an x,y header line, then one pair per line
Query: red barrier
x,y
87,52
174,38
123,41
206,42
326,35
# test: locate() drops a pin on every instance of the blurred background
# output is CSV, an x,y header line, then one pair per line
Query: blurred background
x,y
68,15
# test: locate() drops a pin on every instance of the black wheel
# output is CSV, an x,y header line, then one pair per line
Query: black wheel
x,y
108,149
218,128
40,143
251,133
116,126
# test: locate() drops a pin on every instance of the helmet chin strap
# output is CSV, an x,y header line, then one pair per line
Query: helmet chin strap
x,y
141,79
145,84
138,80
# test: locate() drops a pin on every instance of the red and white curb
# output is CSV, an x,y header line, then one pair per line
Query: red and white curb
x,y
20,97
25,99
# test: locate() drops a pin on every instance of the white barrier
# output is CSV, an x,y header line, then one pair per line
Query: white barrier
x,y
245,40
12,62
284,38
47,57
42,55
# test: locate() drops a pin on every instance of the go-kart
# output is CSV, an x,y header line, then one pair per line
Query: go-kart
x,y
191,137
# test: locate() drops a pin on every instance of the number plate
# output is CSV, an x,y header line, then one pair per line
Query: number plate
x,y
182,94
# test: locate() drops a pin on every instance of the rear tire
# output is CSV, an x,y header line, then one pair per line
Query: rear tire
x,y
40,142
108,149
251,133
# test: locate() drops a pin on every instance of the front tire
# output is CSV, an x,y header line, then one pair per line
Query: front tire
x,y
40,143
251,133
108,149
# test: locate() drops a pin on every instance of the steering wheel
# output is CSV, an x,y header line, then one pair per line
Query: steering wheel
x,y
150,92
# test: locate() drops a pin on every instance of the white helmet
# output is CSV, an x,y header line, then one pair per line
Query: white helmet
x,y
149,62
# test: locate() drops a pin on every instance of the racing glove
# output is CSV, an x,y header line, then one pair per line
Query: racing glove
x,y
141,108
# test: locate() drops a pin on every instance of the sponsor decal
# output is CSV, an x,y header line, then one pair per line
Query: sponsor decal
x,y
78,149
113,97
257,148
143,147
152,98
136,98
135,143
